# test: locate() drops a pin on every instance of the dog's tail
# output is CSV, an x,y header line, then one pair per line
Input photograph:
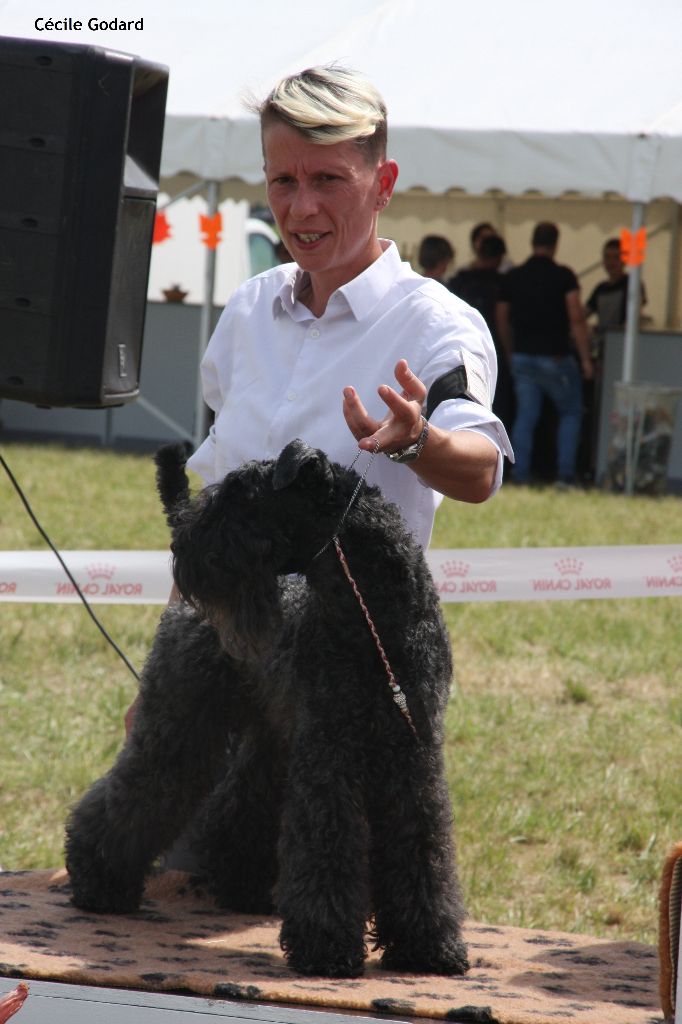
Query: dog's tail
x,y
171,479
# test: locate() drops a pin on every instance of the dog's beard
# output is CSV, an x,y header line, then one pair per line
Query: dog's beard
x,y
249,626
231,584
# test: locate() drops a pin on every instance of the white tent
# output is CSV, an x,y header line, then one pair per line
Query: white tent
x,y
515,97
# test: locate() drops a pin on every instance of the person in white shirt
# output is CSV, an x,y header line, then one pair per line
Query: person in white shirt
x,y
313,349
310,348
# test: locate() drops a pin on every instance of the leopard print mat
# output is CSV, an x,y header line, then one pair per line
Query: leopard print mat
x,y
180,942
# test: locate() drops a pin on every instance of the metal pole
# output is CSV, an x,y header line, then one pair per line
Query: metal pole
x,y
186,193
109,428
160,415
673,268
200,427
632,308
630,353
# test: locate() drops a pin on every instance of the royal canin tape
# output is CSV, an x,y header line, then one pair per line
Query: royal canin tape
x,y
465,574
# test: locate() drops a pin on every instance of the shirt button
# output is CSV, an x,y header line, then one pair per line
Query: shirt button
x,y
314,332
292,396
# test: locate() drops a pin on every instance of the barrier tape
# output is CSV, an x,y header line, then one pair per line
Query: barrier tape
x,y
465,574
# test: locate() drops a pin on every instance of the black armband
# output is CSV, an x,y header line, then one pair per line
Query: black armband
x,y
452,384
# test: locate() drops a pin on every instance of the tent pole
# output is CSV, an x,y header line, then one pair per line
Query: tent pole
x,y
186,193
673,268
633,301
630,349
200,427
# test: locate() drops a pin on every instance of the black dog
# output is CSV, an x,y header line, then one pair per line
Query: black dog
x,y
268,703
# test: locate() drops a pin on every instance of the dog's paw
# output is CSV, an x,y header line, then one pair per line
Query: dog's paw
x,y
96,887
100,895
339,965
105,903
446,958
321,956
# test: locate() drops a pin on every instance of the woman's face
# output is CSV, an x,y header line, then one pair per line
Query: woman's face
x,y
325,200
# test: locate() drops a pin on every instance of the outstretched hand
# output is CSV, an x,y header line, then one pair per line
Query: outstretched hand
x,y
402,425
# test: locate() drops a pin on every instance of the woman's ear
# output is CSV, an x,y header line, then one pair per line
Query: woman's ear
x,y
387,173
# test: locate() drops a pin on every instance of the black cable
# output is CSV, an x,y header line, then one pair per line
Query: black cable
x,y
64,566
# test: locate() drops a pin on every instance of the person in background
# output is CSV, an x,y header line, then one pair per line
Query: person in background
x,y
608,300
477,236
541,324
479,231
479,284
435,256
607,307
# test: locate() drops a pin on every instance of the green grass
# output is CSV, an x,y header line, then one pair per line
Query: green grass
x,y
564,726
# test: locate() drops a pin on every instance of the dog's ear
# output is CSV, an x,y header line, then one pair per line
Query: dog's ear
x,y
294,458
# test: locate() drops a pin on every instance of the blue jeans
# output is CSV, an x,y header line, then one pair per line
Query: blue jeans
x,y
559,379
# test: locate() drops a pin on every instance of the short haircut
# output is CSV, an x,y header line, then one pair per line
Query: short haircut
x,y
612,243
478,230
329,104
545,235
433,250
492,247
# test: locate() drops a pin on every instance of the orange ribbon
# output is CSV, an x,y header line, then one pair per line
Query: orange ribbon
x,y
633,247
211,227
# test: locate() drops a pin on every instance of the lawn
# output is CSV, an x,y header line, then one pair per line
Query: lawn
x,y
564,726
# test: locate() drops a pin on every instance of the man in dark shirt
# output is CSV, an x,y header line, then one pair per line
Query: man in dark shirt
x,y
539,321
608,301
479,284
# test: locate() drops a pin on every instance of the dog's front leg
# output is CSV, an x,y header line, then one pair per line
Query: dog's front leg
x,y
418,909
323,891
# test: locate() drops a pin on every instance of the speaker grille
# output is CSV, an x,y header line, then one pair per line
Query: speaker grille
x,y
79,168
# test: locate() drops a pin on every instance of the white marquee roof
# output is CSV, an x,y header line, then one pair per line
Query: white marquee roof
x,y
584,97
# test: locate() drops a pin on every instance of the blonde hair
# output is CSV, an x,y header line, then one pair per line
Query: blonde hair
x,y
329,104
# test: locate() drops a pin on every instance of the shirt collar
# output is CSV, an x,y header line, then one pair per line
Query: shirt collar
x,y
360,295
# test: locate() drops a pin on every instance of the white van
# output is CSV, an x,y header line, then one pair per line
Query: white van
x,y
262,241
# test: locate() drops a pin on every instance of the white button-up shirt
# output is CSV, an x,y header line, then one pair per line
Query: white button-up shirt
x,y
273,372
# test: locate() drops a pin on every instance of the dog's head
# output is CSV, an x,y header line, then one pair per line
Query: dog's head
x,y
235,539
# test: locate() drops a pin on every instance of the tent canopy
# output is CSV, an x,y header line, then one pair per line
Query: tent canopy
x,y
513,97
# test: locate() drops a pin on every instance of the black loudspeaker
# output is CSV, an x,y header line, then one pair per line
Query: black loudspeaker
x,y
81,129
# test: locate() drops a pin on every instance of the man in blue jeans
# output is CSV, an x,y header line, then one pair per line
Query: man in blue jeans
x,y
541,324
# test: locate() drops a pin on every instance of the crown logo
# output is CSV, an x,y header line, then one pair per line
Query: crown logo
x,y
456,568
675,563
100,571
569,566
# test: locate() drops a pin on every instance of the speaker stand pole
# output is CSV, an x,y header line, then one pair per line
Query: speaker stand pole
x,y
200,418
